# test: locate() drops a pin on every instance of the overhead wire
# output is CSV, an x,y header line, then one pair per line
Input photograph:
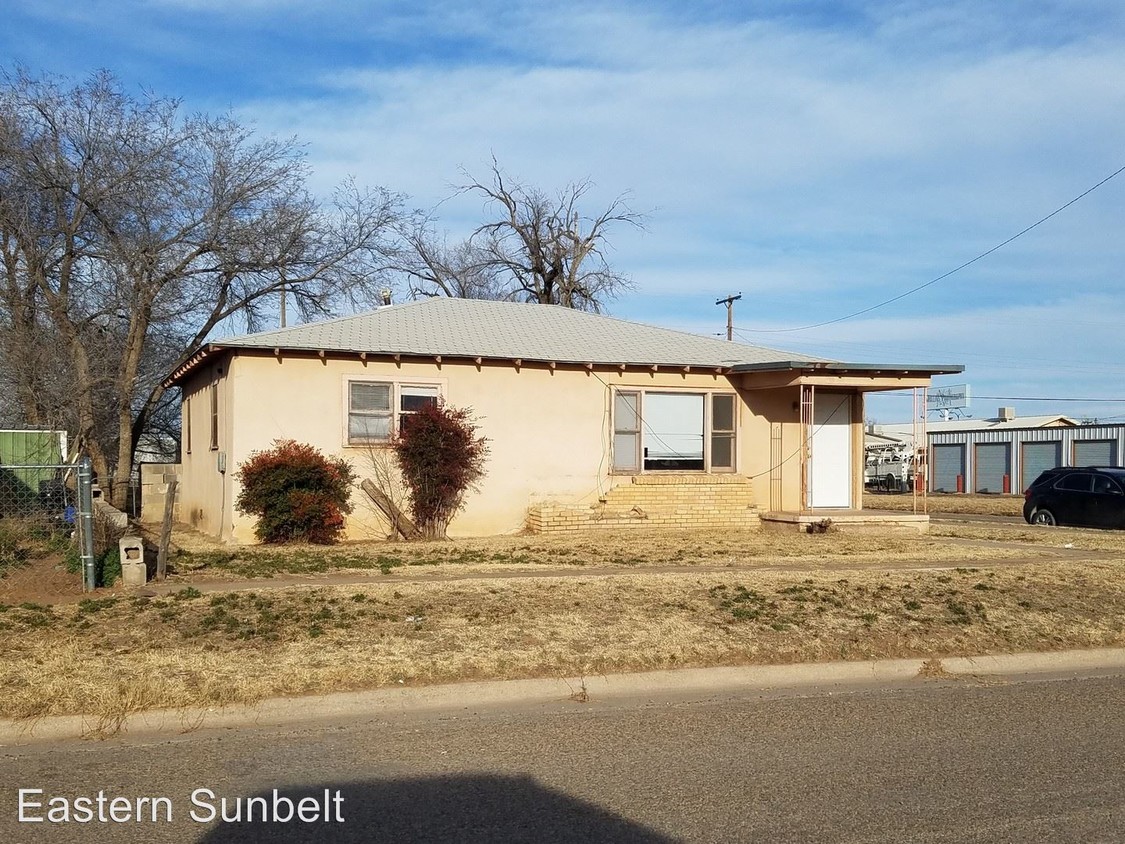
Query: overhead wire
x,y
946,275
785,460
904,393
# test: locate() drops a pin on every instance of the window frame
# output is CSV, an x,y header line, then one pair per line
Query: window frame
x,y
186,432
1060,484
712,433
636,431
396,412
709,431
214,395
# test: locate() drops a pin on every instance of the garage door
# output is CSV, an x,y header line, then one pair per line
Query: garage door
x,y
1094,453
993,467
949,464
1038,458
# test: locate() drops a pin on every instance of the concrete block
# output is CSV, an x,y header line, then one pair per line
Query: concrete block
x,y
134,573
132,549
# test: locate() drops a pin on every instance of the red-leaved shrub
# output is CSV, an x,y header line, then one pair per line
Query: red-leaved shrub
x,y
441,457
296,492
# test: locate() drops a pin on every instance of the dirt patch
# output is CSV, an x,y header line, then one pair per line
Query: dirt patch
x,y
630,550
42,581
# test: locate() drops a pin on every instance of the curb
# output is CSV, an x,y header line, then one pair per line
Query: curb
x,y
655,686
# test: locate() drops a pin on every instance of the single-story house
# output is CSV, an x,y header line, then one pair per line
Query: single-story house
x,y
591,420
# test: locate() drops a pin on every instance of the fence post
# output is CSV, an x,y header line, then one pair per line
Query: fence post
x,y
166,530
86,522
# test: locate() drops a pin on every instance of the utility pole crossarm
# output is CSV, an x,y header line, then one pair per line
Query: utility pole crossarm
x,y
729,302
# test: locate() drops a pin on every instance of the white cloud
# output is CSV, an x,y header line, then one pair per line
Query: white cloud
x,y
817,162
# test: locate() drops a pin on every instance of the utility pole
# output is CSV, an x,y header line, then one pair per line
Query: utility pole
x,y
729,302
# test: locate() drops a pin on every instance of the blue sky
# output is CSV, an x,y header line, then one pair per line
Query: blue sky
x,y
819,158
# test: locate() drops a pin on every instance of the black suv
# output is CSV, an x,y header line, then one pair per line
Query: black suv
x,y
1092,496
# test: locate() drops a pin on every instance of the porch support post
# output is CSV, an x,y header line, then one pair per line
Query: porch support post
x,y
921,456
808,399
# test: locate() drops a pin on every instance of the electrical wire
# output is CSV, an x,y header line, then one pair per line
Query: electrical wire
x,y
785,460
901,393
945,275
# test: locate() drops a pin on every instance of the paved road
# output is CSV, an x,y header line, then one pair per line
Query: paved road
x,y
1015,521
923,761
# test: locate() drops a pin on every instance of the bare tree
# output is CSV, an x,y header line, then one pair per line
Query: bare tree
x,y
130,231
545,248
432,267
539,248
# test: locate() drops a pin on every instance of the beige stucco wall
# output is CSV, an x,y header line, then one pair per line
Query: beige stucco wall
x,y
549,430
770,447
205,495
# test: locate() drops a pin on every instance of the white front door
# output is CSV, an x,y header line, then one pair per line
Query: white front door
x,y
830,469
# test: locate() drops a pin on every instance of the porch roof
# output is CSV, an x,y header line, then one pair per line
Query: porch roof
x,y
866,370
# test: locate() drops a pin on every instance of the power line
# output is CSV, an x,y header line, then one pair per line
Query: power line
x,y
946,275
1012,362
902,393
784,460
1048,398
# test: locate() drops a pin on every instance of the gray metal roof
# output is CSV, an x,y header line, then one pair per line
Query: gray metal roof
x,y
835,367
509,330
936,426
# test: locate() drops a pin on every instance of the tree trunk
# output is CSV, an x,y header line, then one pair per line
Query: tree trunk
x,y
126,395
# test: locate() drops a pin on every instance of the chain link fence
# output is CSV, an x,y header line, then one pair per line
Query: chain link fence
x,y
44,494
43,511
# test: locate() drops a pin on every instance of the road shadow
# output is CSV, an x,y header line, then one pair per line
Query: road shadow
x,y
463,808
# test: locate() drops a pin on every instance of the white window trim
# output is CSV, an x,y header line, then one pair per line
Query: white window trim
x,y
707,429
396,383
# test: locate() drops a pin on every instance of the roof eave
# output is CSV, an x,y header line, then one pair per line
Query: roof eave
x,y
213,348
193,361
835,367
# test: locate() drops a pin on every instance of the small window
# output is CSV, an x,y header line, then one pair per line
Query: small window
x,y
627,432
412,399
187,426
722,431
369,412
1078,482
214,416
1106,486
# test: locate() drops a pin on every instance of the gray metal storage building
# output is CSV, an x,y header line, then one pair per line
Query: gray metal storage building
x,y
1009,459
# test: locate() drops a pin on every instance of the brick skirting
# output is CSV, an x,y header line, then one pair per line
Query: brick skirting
x,y
679,501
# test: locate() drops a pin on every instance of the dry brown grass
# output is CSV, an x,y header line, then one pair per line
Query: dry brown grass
x,y
969,504
115,656
636,550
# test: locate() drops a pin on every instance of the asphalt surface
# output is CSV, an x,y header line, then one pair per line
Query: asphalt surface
x,y
1015,521
921,760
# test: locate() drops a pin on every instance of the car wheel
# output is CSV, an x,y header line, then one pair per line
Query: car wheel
x,y
1043,517
891,482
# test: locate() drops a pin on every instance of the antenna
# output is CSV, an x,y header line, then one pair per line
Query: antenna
x,y
729,302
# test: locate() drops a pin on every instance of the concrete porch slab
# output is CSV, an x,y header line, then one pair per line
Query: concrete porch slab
x,y
809,521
